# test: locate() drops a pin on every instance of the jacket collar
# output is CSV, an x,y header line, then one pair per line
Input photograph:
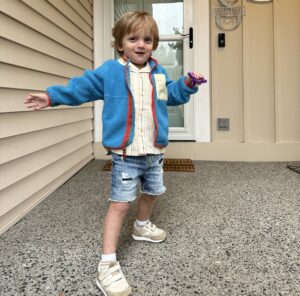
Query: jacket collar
x,y
125,61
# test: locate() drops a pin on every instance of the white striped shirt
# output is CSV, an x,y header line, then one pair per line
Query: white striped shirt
x,y
141,87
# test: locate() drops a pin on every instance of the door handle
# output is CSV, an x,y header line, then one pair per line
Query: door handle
x,y
191,37
190,34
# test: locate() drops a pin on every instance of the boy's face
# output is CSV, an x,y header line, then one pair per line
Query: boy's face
x,y
137,46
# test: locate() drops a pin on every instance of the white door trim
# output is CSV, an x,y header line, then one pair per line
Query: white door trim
x,y
202,100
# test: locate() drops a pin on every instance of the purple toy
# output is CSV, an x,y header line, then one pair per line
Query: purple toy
x,y
196,80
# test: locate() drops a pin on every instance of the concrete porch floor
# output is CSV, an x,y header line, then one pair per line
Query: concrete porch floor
x,y
233,229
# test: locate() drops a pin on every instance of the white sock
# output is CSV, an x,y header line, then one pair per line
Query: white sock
x,y
141,223
108,257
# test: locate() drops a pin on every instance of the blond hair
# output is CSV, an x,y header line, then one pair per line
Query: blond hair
x,y
132,21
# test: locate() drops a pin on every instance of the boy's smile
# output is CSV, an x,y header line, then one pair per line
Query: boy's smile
x,y
137,47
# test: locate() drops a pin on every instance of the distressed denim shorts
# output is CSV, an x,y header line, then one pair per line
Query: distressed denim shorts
x,y
129,171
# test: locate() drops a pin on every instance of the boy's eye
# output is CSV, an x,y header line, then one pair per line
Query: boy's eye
x,y
132,38
148,40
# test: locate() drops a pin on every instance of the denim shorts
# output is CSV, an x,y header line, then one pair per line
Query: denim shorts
x,y
129,171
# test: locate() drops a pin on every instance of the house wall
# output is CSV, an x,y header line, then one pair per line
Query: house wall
x,y
42,43
255,83
255,77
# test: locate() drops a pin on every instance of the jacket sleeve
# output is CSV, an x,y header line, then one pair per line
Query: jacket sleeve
x,y
79,90
178,92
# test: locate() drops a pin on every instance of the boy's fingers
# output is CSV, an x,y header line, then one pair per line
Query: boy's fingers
x,y
32,97
28,99
31,105
35,101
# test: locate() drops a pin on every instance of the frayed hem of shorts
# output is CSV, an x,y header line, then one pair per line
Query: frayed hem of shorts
x,y
114,200
156,194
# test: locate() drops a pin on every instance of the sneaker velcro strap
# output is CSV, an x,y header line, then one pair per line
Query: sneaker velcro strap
x,y
111,279
111,275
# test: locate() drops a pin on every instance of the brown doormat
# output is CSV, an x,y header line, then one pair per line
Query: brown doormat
x,y
170,165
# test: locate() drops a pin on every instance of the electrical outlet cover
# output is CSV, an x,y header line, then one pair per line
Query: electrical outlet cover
x,y
223,124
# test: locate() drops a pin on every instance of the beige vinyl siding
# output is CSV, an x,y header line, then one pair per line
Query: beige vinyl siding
x,y
42,43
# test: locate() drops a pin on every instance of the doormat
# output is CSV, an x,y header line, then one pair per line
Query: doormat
x,y
295,168
170,165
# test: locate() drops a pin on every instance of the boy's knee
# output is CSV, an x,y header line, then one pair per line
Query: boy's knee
x,y
121,207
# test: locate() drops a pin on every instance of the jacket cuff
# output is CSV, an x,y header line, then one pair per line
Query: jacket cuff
x,y
190,88
190,85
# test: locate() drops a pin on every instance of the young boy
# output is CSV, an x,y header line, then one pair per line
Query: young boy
x,y
136,91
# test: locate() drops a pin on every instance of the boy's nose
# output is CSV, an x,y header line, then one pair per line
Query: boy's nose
x,y
141,43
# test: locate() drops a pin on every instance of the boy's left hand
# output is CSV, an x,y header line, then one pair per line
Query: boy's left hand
x,y
195,78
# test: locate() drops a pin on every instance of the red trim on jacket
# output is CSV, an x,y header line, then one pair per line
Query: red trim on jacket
x,y
128,122
129,115
154,113
154,60
129,110
190,85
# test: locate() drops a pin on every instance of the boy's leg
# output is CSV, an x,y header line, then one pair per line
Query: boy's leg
x,y
110,278
143,229
152,186
112,226
145,206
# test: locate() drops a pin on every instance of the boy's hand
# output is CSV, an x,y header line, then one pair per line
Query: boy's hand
x,y
37,101
195,78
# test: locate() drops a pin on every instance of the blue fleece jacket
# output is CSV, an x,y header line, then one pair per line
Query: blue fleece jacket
x,y
111,83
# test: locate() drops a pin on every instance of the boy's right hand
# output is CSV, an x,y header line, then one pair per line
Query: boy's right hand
x,y
37,101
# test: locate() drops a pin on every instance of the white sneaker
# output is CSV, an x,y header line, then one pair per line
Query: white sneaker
x,y
111,280
149,233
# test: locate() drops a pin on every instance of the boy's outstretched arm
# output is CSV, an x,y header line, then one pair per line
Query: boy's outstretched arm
x,y
37,101
179,91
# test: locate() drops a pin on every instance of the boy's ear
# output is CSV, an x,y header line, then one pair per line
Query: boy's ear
x,y
120,48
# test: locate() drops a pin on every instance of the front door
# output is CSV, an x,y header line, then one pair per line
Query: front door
x,y
173,18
